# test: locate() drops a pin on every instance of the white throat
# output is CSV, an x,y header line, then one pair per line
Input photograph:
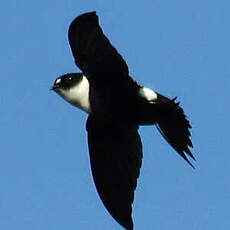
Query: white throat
x,y
78,95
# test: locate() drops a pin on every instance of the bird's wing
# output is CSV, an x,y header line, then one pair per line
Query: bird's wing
x,y
93,52
115,157
174,127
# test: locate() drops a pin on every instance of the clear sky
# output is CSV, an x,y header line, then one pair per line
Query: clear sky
x,y
179,48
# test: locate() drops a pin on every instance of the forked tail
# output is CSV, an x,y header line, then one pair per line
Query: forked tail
x,y
174,127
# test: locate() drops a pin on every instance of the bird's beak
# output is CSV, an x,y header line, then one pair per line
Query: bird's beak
x,y
54,87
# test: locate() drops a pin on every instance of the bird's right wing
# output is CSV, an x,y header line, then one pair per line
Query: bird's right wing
x,y
93,52
115,157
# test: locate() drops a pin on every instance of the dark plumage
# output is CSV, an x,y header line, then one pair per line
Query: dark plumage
x,y
116,105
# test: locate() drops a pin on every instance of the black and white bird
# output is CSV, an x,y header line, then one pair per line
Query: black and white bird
x,y
116,106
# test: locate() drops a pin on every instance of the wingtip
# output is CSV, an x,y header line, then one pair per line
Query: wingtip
x,y
85,16
129,225
90,13
81,20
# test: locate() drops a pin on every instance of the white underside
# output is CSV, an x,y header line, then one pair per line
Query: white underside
x,y
78,95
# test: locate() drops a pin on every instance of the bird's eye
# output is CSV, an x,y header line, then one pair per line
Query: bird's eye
x,y
70,78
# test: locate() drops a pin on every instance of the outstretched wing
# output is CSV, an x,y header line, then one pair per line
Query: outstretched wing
x,y
115,157
174,127
93,52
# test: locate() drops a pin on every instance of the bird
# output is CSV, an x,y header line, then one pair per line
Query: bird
x,y
117,106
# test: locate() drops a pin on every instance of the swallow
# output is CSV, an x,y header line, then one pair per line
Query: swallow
x,y
116,105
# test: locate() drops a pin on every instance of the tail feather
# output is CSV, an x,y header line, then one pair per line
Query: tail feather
x,y
174,127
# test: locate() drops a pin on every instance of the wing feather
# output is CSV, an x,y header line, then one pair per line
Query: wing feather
x,y
93,52
115,157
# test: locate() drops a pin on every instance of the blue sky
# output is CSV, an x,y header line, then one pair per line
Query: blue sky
x,y
179,48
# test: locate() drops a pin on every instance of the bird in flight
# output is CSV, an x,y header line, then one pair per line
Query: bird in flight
x,y
116,106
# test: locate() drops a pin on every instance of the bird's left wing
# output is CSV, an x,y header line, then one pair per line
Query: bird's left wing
x,y
93,52
115,157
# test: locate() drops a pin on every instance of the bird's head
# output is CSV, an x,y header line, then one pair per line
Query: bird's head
x,y
74,88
